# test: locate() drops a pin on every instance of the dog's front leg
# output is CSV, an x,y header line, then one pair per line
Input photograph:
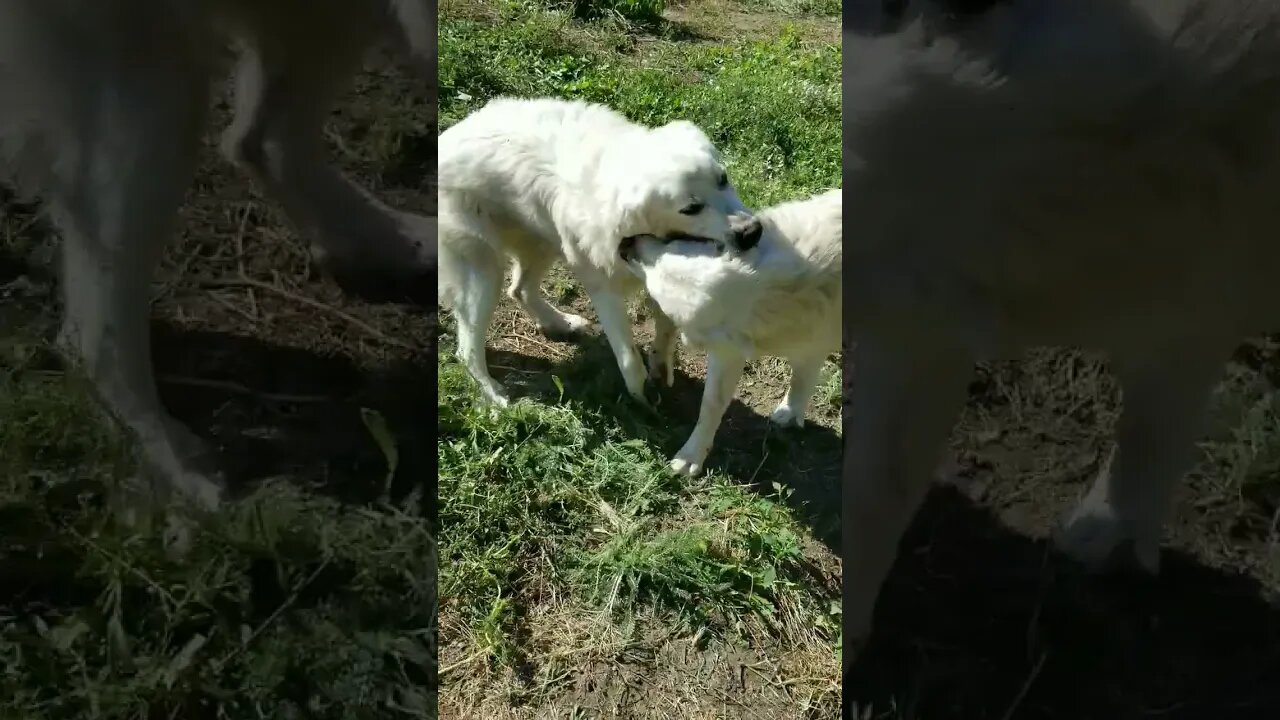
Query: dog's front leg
x,y
724,369
804,380
286,80
137,136
662,356
1119,522
905,399
611,309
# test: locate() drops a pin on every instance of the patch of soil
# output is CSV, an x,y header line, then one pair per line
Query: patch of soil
x,y
678,679
979,619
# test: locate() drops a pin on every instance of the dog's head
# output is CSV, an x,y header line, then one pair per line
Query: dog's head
x,y
688,278
676,186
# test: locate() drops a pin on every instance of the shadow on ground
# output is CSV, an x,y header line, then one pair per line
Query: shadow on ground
x,y
276,410
978,621
804,461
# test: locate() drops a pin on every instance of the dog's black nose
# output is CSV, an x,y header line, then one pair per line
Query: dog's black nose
x,y
746,231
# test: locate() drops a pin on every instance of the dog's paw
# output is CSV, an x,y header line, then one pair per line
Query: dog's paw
x,y
784,416
635,375
184,466
494,395
1095,537
687,468
571,328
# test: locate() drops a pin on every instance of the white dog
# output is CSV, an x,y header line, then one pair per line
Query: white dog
x,y
102,105
543,180
1107,179
781,298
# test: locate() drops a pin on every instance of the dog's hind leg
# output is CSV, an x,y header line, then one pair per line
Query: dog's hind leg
x,y
662,356
724,369
616,323
470,284
123,120
1119,523
804,380
526,289
296,59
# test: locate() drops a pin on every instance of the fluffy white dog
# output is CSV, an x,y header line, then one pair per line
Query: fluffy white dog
x,y
781,298
543,180
1098,173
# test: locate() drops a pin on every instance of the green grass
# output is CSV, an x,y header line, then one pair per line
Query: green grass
x,y
772,106
284,605
563,490
561,506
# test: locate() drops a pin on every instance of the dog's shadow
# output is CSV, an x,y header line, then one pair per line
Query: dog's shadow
x,y
274,411
980,622
804,463
270,411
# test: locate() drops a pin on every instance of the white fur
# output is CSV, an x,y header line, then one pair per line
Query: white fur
x,y
102,105
780,298
1106,178
540,180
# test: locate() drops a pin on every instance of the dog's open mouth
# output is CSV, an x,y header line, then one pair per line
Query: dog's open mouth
x,y
627,248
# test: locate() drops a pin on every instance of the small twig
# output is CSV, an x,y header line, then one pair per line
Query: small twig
x,y
232,307
275,615
369,329
1026,686
764,455
555,350
225,385
237,388
464,661
508,368
244,221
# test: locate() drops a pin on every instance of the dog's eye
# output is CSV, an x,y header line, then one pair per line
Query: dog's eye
x,y
724,180
692,208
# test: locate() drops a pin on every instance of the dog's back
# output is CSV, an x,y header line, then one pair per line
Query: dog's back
x,y
517,143
1102,166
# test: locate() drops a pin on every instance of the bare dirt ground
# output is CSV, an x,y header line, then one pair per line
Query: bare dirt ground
x,y
979,620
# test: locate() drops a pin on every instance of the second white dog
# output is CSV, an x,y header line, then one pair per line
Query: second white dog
x,y
780,298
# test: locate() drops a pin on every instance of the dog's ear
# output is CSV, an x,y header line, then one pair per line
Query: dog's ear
x,y
632,205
